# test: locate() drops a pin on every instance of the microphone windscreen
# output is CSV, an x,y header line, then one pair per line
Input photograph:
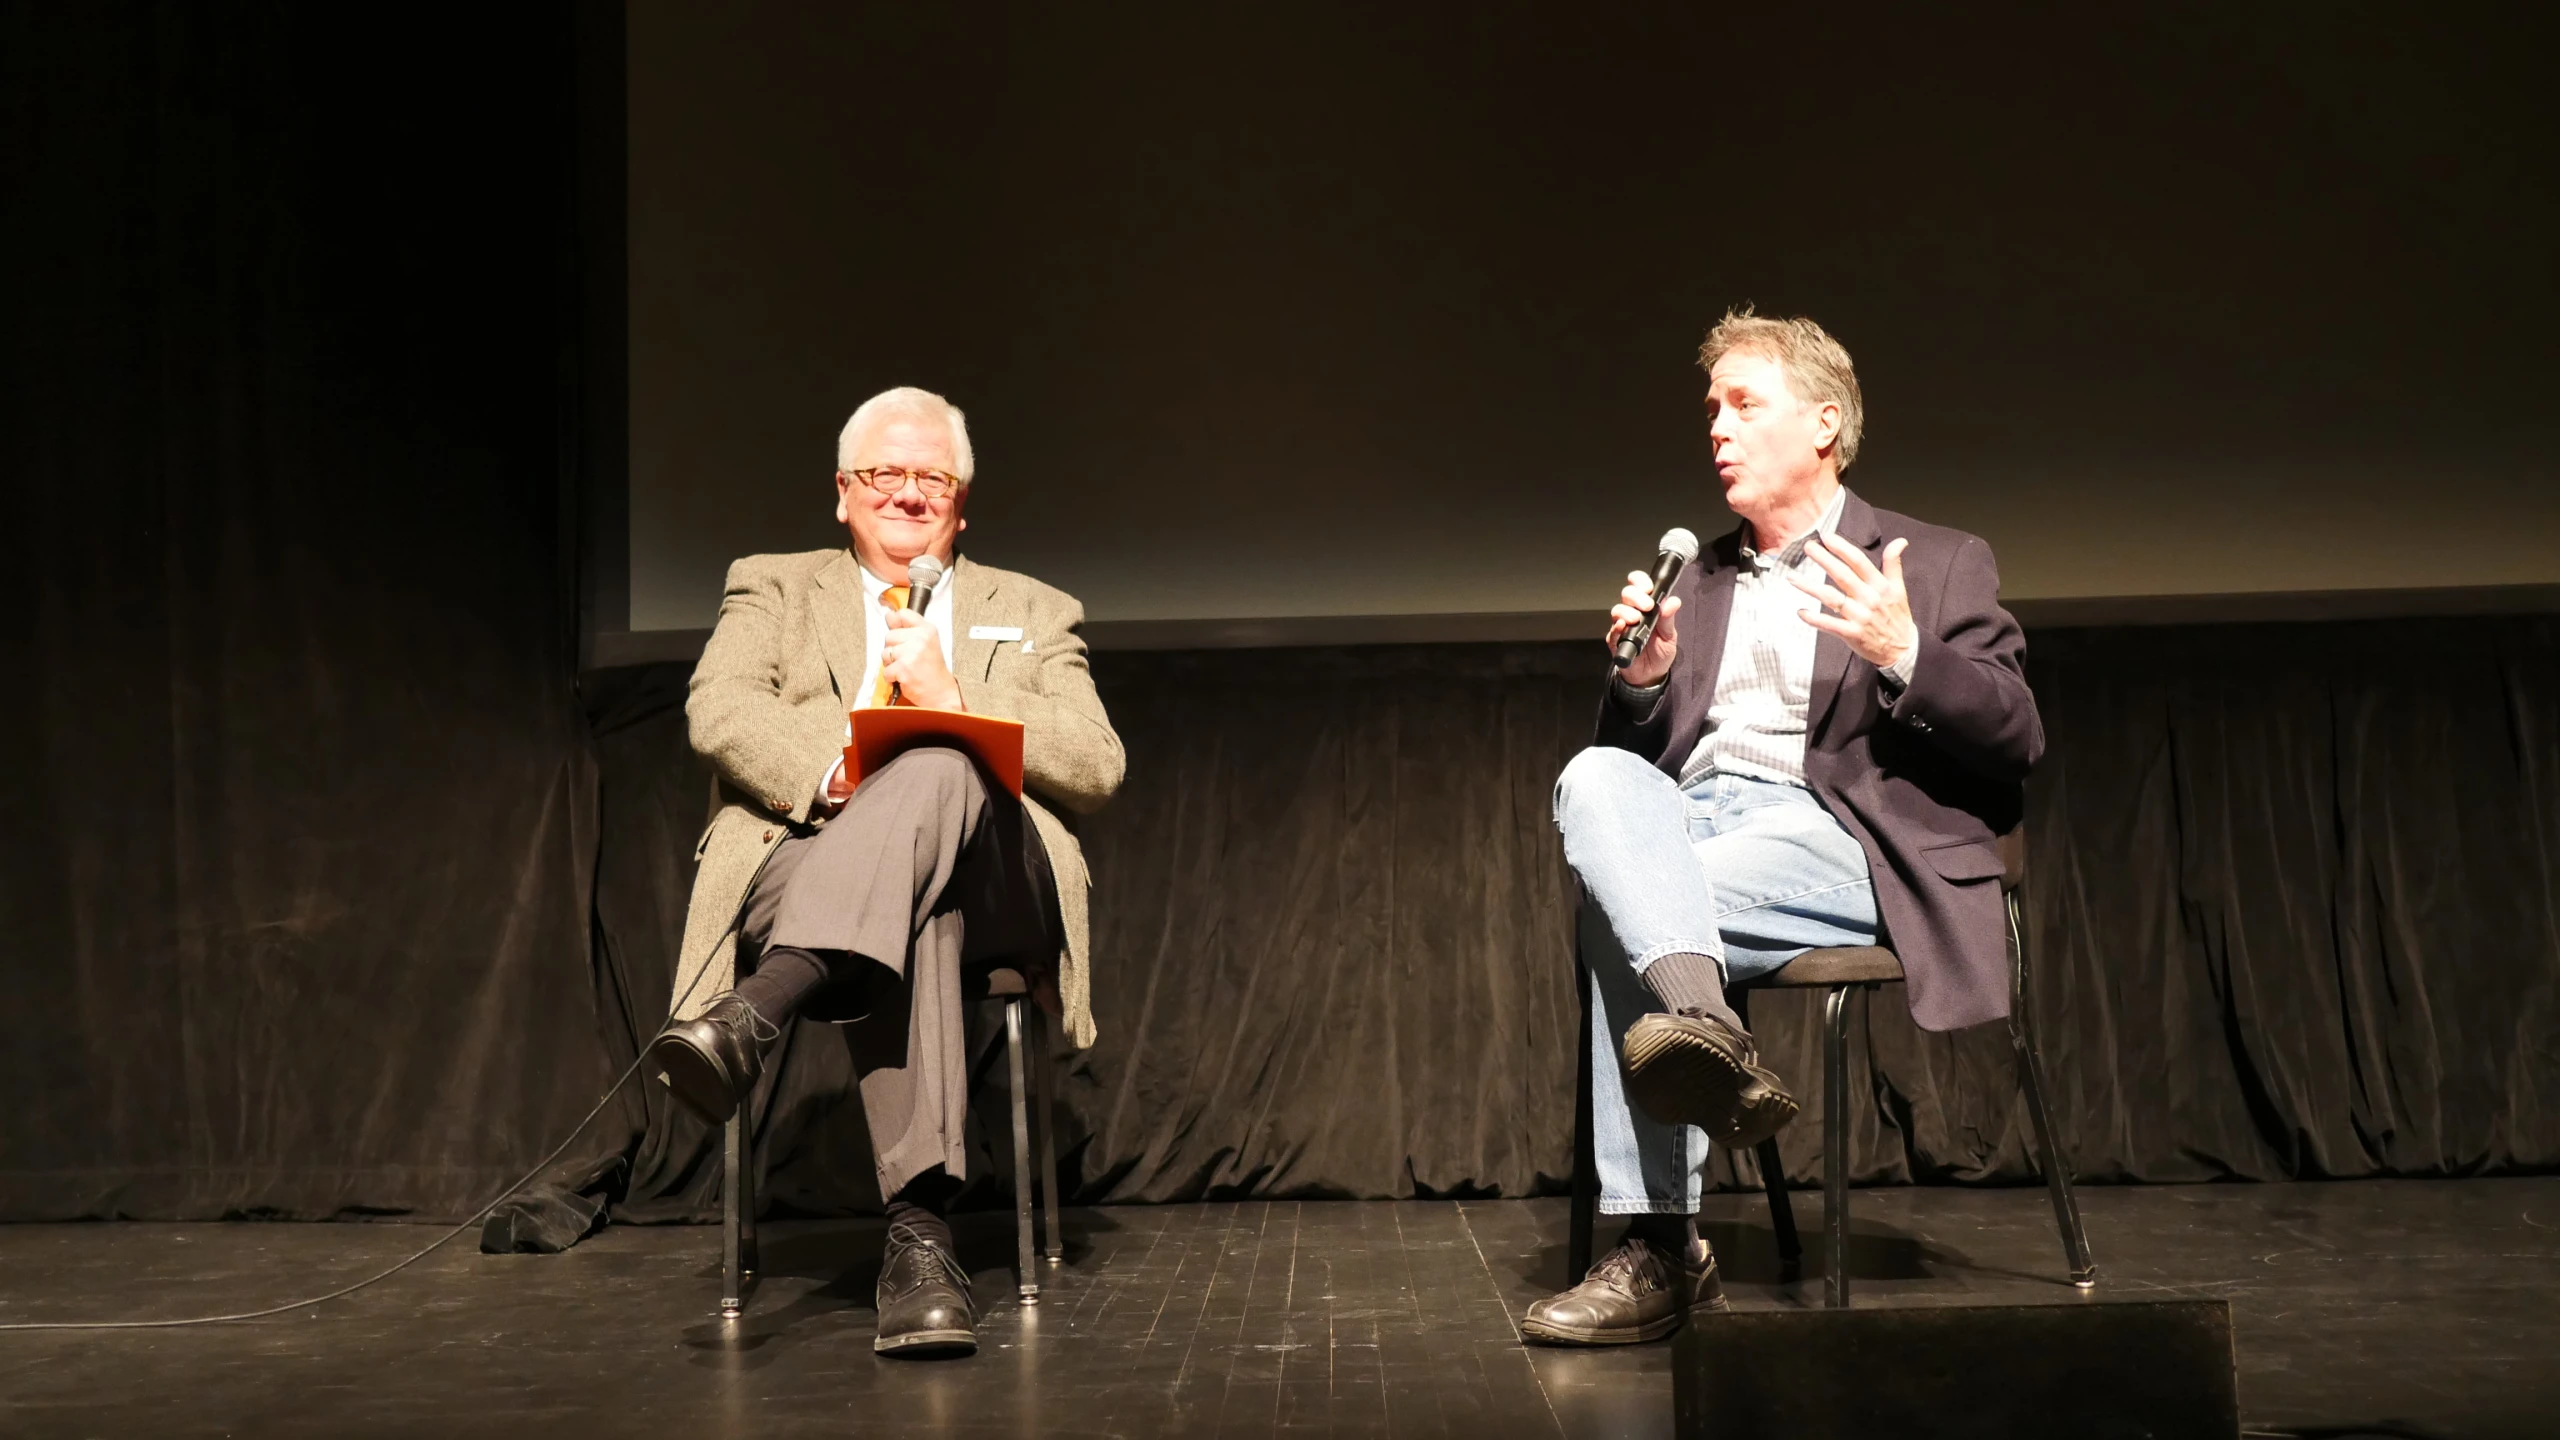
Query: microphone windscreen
x,y
1675,541
925,573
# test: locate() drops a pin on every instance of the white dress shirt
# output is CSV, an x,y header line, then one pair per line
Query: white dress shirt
x,y
875,637
1757,721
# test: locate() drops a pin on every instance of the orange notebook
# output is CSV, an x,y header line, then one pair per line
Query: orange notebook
x,y
880,732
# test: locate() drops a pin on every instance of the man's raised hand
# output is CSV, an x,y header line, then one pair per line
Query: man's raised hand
x,y
1865,606
1662,647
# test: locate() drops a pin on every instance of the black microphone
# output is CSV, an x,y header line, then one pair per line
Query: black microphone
x,y
924,573
1678,547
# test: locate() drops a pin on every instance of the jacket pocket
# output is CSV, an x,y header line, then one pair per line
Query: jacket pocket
x,y
1966,860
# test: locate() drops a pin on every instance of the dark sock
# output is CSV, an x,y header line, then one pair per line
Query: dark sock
x,y
1667,1234
922,1204
784,979
1692,982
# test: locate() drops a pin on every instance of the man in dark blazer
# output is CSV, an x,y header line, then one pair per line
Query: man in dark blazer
x,y
1828,760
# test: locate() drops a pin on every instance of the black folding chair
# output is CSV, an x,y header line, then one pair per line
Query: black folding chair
x,y
737,1168
1840,971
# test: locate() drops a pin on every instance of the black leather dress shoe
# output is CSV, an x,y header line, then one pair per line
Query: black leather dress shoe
x,y
1691,1068
1636,1293
924,1302
711,1061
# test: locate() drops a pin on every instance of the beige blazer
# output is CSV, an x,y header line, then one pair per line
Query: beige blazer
x,y
767,709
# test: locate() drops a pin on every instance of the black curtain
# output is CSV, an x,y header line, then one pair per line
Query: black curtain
x,y
294,888
328,890
2291,909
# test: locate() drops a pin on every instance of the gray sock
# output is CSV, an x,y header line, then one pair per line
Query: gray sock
x,y
1692,982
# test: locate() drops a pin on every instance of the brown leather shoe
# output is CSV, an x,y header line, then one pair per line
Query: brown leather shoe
x,y
1636,1293
711,1061
1691,1068
925,1309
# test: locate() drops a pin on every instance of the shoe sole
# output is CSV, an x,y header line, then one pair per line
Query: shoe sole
x,y
699,1081
926,1343
1680,1079
1546,1334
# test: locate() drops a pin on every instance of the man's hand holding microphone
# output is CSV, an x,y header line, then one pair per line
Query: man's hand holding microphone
x,y
1643,639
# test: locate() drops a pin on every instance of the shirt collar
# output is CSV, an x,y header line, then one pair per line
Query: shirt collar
x,y
873,587
1791,554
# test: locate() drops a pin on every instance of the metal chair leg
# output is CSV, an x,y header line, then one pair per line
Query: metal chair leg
x,y
1027,1276
2057,1166
748,1263
1045,1124
732,1259
1782,1208
1584,1186
1773,1174
1835,1148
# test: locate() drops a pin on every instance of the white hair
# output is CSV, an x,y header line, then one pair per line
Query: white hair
x,y
908,403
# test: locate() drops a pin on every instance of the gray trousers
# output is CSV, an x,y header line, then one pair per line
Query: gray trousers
x,y
927,877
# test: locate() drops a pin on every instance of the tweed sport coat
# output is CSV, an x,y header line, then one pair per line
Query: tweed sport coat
x,y
1926,786
767,709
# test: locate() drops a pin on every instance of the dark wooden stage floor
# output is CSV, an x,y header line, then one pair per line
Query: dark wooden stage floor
x,y
2432,1306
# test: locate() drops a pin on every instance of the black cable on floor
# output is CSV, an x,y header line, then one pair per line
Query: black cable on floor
x,y
675,1007
440,1242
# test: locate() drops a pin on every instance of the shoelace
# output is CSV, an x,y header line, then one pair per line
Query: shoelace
x,y
1624,1265
759,1029
908,1237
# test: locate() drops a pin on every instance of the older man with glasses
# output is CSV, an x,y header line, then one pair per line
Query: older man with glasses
x,y
862,904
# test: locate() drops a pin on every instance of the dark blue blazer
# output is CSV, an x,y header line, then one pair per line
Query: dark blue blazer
x,y
1927,786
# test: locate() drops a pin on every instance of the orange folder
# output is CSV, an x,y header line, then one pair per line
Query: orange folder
x,y
881,732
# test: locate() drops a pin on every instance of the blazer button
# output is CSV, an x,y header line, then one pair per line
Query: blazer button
x,y
768,837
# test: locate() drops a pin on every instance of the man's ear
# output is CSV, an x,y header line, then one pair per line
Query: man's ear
x,y
843,489
1826,425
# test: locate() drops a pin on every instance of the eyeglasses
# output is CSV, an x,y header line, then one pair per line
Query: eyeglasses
x,y
890,479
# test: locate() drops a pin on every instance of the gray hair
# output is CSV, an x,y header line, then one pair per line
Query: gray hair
x,y
1817,367
909,403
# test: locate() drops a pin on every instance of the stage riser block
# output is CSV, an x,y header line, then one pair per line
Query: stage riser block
x,y
2154,1370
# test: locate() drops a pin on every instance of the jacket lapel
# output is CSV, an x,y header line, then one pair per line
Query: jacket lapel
x,y
1709,611
841,633
974,603
1830,652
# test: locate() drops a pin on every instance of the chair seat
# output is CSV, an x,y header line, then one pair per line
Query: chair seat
x,y
999,983
1843,965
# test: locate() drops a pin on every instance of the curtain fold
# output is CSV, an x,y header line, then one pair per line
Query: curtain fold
x,y
295,885
2290,914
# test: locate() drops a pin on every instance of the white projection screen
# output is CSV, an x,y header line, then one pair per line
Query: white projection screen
x,y
1286,312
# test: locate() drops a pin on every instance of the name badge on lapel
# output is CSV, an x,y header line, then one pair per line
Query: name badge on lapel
x,y
995,632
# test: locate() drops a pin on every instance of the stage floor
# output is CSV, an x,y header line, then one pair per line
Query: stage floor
x,y
2425,1308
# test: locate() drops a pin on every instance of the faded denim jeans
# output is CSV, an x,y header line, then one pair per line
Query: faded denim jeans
x,y
1750,872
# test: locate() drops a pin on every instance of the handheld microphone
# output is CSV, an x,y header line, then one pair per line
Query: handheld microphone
x,y
924,573
1678,548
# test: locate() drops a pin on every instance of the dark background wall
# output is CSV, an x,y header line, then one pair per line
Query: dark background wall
x,y
331,886
1314,309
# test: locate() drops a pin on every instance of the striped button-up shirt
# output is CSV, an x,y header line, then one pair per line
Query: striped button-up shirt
x,y
1756,723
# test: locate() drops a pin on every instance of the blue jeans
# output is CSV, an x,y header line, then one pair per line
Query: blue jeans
x,y
1750,872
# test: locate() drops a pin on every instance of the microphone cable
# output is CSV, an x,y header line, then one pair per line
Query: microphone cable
x,y
447,1237
437,1244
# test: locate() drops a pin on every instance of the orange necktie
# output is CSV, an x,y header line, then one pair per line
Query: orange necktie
x,y
895,598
